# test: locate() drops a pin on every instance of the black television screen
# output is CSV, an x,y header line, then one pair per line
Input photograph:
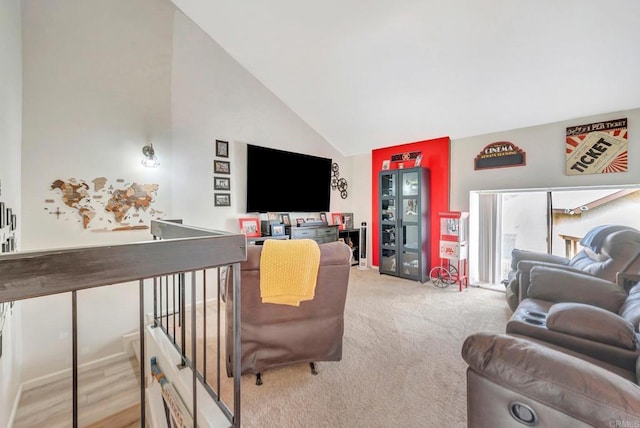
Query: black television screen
x,y
280,181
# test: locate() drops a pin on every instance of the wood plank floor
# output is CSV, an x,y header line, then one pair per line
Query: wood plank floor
x,y
127,418
105,397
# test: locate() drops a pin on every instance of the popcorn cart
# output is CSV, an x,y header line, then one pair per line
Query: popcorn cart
x,y
454,230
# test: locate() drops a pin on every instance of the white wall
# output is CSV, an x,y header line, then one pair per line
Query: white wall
x,y
216,98
10,143
102,79
360,188
96,89
545,166
545,149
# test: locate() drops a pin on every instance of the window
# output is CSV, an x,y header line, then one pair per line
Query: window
x,y
552,220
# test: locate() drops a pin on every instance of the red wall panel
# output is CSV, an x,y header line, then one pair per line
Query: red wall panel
x,y
435,157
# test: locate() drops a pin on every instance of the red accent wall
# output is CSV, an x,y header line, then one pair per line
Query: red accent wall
x,y
435,157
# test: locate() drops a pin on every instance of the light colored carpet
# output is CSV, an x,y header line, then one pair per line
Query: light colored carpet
x,y
401,362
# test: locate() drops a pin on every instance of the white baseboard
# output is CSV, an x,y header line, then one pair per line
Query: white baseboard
x,y
127,351
128,341
52,377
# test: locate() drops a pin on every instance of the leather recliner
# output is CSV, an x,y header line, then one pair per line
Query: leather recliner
x,y
275,335
582,313
516,382
607,250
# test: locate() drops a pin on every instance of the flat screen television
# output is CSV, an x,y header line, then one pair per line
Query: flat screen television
x,y
280,181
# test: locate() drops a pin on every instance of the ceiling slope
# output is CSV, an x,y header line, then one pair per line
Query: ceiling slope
x,y
379,73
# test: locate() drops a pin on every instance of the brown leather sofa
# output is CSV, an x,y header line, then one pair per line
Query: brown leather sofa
x,y
576,311
274,335
516,382
607,250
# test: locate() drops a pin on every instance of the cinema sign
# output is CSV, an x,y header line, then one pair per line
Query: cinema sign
x,y
500,155
597,148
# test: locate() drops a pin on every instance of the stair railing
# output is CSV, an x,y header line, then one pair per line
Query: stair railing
x,y
182,250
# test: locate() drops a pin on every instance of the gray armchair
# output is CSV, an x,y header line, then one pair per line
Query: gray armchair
x,y
275,335
515,382
607,250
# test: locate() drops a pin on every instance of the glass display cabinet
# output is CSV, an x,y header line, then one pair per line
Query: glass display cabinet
x,y
404,223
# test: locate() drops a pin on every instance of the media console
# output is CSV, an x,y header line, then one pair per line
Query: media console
x,y
320,234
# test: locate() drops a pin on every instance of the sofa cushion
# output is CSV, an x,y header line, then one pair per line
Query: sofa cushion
x,y
558,285
527,322
591,323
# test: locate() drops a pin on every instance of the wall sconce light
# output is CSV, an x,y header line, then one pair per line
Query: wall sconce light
x,y
149,160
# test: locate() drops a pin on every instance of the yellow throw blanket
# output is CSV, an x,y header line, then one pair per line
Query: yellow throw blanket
x,y
288,271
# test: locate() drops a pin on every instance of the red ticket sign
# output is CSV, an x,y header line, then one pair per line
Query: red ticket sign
x,y
597,148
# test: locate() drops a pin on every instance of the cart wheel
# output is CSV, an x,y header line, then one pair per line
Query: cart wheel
x,y
440,277
453,274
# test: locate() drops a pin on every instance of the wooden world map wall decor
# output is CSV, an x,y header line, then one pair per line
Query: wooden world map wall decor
x,y
102,205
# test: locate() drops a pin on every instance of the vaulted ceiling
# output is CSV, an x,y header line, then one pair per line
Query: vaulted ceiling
x,y
376,73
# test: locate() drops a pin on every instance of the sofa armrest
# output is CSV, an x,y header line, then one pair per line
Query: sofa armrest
x,y
558,285
587,392
520,255
591,323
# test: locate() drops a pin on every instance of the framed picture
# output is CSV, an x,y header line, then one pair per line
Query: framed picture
x,y
347,220
336,218
221,167
299,221
221,183
272,217
323,217
284,219
222,199
222,149
7,216
3,221
250,226
277,229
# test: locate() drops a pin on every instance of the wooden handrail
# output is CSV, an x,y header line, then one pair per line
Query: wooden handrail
x,y
27,274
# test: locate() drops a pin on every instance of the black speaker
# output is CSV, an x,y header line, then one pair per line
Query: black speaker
x,y
362,263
